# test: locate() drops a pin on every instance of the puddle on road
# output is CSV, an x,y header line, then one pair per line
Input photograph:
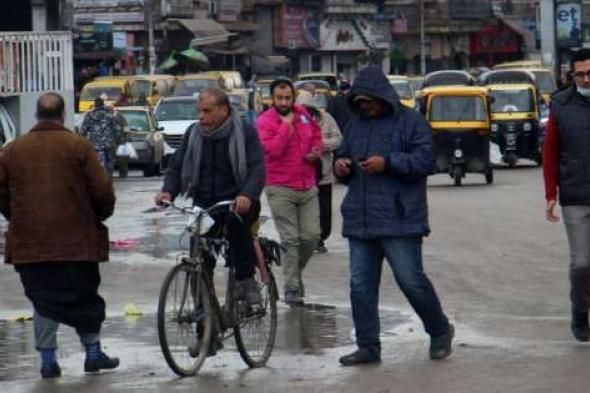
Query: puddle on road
x,y
163,236
308,330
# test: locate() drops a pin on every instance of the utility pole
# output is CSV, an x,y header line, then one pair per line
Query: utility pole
x,y
422,40
151,44
549,52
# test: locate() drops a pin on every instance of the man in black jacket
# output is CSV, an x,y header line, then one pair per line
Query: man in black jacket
x,y
221,158
566,167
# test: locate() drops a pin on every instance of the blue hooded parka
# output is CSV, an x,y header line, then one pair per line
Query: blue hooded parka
x,y
392,203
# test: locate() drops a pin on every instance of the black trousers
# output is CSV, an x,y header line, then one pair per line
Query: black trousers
x,y
65,292
241,254
325,198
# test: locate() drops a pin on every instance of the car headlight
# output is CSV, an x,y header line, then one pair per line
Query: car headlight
x,y
527,126
495,127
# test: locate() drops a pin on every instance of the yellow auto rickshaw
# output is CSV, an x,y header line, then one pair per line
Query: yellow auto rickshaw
x,y
460,123
328,77
544,78
233,83
110,89
515,114
151,87
192,84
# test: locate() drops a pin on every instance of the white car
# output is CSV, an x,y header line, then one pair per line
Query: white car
x,y
175,115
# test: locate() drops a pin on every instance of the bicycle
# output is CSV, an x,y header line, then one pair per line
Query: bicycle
x,y
191,320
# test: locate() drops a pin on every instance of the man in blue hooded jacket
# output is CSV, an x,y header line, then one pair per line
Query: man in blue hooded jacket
x,y
385,157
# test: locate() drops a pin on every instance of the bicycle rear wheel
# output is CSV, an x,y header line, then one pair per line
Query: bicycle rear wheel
x,y
255,330
185,320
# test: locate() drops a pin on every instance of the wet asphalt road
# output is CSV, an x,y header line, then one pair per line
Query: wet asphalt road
x,y
499,268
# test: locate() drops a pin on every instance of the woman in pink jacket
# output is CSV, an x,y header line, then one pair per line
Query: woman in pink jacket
x,y
292,143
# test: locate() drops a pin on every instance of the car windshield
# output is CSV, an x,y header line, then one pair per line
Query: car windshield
x,y
457,108
402,89
111,92
136,120
140,87
544,82
520,100
176,110
190,87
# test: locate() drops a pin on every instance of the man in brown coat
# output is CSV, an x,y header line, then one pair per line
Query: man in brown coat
x,y
55,195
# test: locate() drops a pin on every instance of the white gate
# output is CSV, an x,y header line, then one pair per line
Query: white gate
x,y
35,62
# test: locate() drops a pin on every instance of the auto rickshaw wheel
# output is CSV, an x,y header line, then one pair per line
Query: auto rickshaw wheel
x,y
489,176
457,175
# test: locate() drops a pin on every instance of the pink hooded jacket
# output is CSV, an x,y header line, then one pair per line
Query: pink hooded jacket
x,y
285,147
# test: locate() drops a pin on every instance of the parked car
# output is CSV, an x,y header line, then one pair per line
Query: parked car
x,y
146,137
7,128
175,115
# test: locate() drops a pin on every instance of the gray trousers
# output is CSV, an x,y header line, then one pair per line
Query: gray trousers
x,y
46,333
297,218
577,226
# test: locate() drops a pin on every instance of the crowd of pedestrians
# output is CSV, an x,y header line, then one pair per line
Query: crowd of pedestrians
x,y
368,141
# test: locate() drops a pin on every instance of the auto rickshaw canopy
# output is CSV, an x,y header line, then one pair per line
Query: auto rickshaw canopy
x,y
458,108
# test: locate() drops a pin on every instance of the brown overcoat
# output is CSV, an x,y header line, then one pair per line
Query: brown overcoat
x,y
55,195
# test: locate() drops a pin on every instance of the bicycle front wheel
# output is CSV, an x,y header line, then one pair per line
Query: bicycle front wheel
x,y
256,329
185,320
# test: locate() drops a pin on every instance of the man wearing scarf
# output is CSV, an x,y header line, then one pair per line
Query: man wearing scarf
x,y
55,195
221,158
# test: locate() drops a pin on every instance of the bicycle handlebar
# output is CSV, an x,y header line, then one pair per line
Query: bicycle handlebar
x,y
199,212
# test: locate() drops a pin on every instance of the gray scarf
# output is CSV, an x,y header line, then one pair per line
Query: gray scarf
x,y
233,128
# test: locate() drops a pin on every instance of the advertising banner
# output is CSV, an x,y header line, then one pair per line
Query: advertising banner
x,y
568,23
295,28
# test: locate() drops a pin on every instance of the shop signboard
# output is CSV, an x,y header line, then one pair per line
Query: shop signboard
x,y
81,18
568,23
106,3
94,38
295,28
354,35
120,40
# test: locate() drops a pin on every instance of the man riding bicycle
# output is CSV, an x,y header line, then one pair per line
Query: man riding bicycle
x,y
221,158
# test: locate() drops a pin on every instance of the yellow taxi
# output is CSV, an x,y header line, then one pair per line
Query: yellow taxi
x,y
404,90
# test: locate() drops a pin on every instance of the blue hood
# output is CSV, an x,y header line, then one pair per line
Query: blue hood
x,y
371,82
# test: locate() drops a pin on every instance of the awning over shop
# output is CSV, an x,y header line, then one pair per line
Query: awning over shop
x,y
206,31
224,51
